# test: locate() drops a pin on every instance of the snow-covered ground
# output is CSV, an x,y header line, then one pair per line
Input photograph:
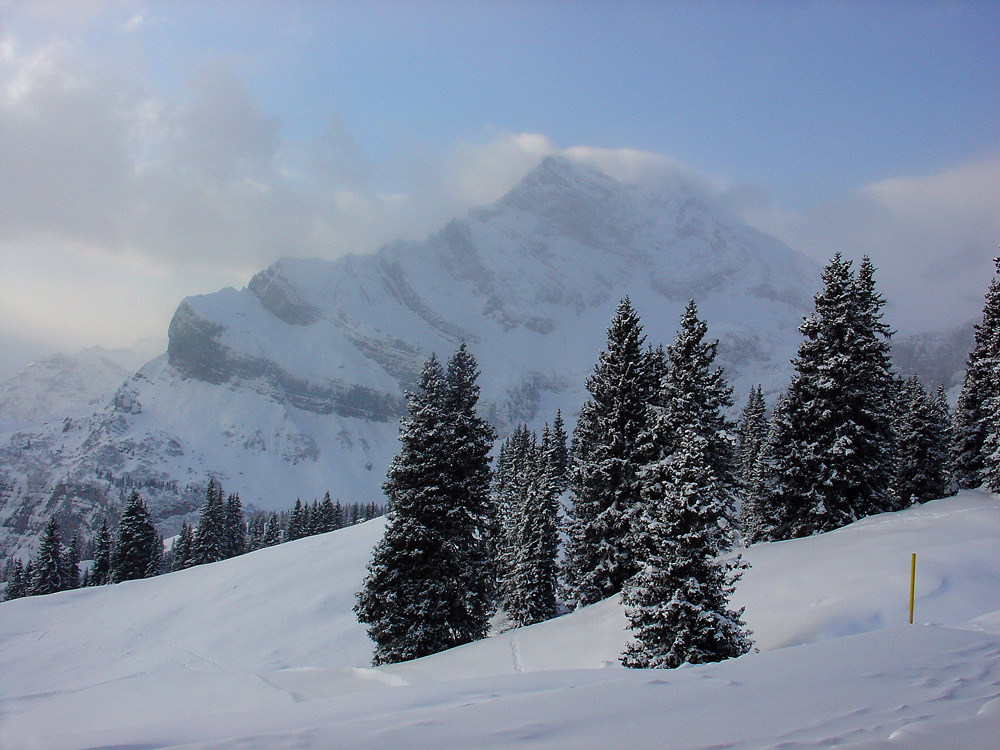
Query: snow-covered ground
x,y
263,651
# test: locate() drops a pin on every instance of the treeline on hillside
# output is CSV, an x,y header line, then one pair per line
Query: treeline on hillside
x,y
659,484
134,549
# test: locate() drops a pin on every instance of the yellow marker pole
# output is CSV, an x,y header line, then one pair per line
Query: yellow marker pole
x,y
913,579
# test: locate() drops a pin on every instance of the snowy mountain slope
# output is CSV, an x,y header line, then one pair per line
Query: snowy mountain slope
x,y
293,386
69,385
263,651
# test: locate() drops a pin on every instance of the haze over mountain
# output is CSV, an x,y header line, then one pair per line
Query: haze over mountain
x,y
293,386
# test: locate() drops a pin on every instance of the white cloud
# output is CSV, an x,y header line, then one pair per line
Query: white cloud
x,y
932,238
136,22
142,197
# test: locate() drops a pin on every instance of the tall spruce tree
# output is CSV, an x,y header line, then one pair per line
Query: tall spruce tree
x,y
49,569
235,527
468,484
211,542
71,564
255,532
138,550
534,578
678,603
272,531
603,474
183,549
976,458
751,433
758,520
18,580
694,396
923,447
833,453
429,584
100,573
296,528
515,472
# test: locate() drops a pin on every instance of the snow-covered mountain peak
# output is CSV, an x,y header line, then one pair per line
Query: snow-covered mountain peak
x,y
293,385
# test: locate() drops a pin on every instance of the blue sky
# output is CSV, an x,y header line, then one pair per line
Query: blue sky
x,y
828,123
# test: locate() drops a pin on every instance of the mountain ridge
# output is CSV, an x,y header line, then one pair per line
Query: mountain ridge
x,y
293,385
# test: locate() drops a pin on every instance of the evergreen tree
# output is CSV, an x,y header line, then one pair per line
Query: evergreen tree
x,y
833,454
677,604
325,516
532,584
515,471
210,539
427,586
305,524
100,573
468,484
255,531
558,463
603,482
751,434
694,396
18,580
296,522
71,564
138,550
272,531
49,568
757,518
236,528
183,548
338,516
976,422
923,463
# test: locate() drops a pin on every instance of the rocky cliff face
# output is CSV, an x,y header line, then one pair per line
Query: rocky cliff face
x,y
293,386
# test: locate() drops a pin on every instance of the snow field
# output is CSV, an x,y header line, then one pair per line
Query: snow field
x,y
263,651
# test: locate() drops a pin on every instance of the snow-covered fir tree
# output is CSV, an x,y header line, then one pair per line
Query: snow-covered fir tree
x,y
183,549
429,584
750,435
975,425
255,531
235,527
210,538
100,572
138,550
678,603
694,396
923,470
272,531
297,521
833,454
531,540
71,564
48,565
326,515
18,580
559,447
757,519
468,483
603,481
513,477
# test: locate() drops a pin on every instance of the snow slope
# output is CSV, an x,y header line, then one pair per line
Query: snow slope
x,y
263,651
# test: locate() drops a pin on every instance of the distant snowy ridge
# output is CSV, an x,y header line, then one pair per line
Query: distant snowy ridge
x,y
66,385
294,385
